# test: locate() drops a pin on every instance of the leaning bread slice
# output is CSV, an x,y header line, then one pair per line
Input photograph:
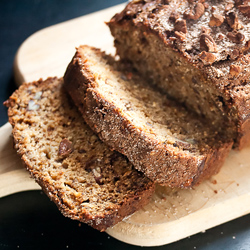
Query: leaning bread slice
x,y
160,137
87,181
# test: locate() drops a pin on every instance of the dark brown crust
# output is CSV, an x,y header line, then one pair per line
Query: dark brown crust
x,y
144,16
160,162
112,216
109,219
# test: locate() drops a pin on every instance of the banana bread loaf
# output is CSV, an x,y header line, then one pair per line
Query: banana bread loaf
x,y
171,145
87,181
195,51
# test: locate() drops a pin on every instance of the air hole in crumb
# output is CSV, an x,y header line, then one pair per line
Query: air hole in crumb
x,y
86,201
116,178
28,122
144,40
155,10
81,151
220,98
47,154
50,128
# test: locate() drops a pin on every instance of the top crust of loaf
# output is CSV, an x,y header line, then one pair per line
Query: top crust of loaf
x,y
142,123
213,37
86,180
195,28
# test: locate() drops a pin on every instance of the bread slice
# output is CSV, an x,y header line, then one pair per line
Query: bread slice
x,y
160,137
197,52
87,181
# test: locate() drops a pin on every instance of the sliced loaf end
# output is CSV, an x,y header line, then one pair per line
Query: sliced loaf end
x,y
196,60
161,138
87,181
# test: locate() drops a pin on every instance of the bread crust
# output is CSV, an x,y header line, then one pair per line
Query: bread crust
x,y
160,162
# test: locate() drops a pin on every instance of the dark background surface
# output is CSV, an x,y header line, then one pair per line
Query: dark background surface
x,y
28,220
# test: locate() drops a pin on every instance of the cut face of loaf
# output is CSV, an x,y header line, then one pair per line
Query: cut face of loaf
x,y
197,52
161,138
87,181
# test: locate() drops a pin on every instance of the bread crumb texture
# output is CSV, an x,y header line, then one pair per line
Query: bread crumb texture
x,y
86,180
170,144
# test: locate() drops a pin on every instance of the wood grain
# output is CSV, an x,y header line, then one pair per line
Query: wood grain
x,y
172,214
13,176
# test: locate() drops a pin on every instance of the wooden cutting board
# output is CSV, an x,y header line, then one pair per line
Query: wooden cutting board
x,y
49,51
172,214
